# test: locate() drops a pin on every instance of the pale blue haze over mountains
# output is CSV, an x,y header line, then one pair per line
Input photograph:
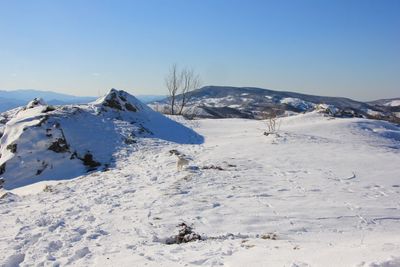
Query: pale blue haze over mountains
x,y
15,98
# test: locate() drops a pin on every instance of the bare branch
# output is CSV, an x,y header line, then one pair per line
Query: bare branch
x,y
272,121
180,83
190,81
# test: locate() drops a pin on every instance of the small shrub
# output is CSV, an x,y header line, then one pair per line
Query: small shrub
x,y
272,122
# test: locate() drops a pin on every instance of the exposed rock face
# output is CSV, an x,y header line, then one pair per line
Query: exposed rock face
x,y
88,161
130,107
42,142
2,170
118,100
59,146
112,102
12,148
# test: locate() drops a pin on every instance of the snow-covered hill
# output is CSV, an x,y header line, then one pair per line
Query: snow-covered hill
x,y
254,103
323,192
41,142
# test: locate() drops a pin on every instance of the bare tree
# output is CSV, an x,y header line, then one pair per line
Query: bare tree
x,y
190,81
173,81
180,83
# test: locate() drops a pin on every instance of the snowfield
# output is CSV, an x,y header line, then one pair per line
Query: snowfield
x,y
324,192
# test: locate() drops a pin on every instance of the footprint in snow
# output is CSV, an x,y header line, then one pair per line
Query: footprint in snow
x,y
79,254
14,260
54,246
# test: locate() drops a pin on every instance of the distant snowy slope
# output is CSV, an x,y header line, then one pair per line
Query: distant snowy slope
x,y
250,102
42,142
392,102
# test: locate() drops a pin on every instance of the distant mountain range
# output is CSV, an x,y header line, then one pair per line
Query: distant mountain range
x,y
12,99
232,102
253,103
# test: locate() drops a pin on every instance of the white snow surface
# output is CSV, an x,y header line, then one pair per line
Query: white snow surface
x,y
328,191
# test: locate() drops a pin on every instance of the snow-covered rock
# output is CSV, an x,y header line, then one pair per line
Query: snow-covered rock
x,y
42,142
298,103
36,102
327,109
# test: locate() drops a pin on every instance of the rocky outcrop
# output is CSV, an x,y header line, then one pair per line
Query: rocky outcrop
x,y
42,142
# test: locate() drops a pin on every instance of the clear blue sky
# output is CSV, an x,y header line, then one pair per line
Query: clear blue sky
x,y
84,47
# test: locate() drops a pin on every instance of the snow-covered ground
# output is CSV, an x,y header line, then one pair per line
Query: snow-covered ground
x,y
325,192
